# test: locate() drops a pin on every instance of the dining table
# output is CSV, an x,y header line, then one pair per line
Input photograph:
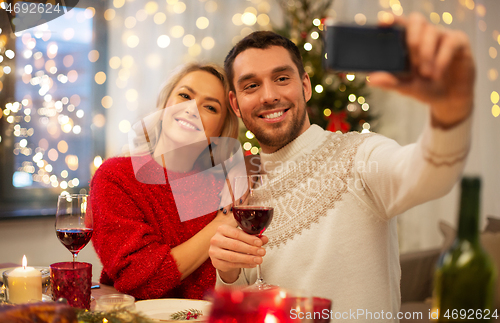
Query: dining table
x,y
96,292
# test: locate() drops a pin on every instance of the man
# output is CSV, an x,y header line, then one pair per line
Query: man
x,y
334,230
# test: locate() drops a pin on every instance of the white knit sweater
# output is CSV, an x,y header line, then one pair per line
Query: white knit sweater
x,y
334,228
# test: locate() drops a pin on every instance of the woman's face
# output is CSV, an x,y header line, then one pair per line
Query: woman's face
x,y
185,122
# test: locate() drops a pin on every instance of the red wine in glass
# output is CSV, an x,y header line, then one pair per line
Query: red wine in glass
x,y
253,210
253,219
74,225
74,239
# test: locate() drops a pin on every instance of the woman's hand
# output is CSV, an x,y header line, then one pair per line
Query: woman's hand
x,y
225,216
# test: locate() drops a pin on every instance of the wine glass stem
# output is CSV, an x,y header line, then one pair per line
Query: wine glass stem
x,y
74,257
260,280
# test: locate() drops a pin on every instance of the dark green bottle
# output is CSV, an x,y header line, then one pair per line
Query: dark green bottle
x,y
465,275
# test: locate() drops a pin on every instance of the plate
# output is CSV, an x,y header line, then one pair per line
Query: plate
x,y
159,310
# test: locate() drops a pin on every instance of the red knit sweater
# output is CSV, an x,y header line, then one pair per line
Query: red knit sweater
x,y
136,225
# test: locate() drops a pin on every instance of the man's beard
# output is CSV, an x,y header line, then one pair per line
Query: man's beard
x,y
278,140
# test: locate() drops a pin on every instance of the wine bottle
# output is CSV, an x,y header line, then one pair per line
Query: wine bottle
x,y
465,275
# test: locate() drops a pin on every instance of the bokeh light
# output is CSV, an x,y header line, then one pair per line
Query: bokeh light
x,y
109,14
93,56
100,77
151,7
159,18
208,43
179,7
107,102
177,31
114,62
447,18
163,41
124,126
188,40
202,22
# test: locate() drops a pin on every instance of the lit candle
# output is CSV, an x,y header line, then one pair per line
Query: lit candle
x,y
25,284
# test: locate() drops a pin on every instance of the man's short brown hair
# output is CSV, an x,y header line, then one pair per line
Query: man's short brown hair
x,y
261,40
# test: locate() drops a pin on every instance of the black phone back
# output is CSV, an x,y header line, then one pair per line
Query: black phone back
x,y
353,48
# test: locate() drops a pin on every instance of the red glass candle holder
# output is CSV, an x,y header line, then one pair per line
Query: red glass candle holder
x,y
275,305
322,309
72,281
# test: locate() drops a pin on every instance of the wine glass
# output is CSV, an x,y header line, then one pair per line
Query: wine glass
x,y
254,211
74,225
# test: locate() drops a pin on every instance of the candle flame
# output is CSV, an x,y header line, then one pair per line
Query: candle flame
x,y
25,262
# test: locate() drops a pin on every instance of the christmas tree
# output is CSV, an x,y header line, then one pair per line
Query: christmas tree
x,y
338,102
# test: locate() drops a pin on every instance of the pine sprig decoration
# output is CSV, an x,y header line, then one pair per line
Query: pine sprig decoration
x,y
190,314
116,316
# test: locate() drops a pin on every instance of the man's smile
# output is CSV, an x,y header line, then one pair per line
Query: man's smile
x,y
274,115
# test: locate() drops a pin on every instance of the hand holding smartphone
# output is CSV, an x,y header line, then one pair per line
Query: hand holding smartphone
x,y
365,49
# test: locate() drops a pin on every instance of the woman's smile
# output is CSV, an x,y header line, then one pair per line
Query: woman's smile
x,y
187,125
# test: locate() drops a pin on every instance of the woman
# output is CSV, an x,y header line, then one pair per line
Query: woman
x,y
146,248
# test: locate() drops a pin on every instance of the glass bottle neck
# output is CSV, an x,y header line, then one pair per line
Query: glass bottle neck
x,y
468,225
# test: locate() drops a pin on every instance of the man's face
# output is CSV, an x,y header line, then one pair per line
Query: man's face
x,y
270,96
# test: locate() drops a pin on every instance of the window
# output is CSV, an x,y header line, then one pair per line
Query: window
x,y
51,122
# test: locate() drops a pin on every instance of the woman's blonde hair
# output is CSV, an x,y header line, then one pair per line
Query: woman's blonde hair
x,y
147,136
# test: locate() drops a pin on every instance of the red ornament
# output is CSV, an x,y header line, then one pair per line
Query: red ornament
x,y
247,153
303,34
338,122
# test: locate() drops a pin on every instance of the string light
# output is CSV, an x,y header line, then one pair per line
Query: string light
x,y
495,110
249,134
211,6
435,18
124,126
263,19
208,43
495,97
249,18
202,22
360,19
177,31
163,41
247,146
179,7
447,18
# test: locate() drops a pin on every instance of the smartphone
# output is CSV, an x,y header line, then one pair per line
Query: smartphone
x,y
365,49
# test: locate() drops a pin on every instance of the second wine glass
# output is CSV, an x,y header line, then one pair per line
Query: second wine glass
x,y
74,224
254,210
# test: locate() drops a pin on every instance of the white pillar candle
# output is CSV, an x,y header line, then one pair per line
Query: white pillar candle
x,y
24,284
